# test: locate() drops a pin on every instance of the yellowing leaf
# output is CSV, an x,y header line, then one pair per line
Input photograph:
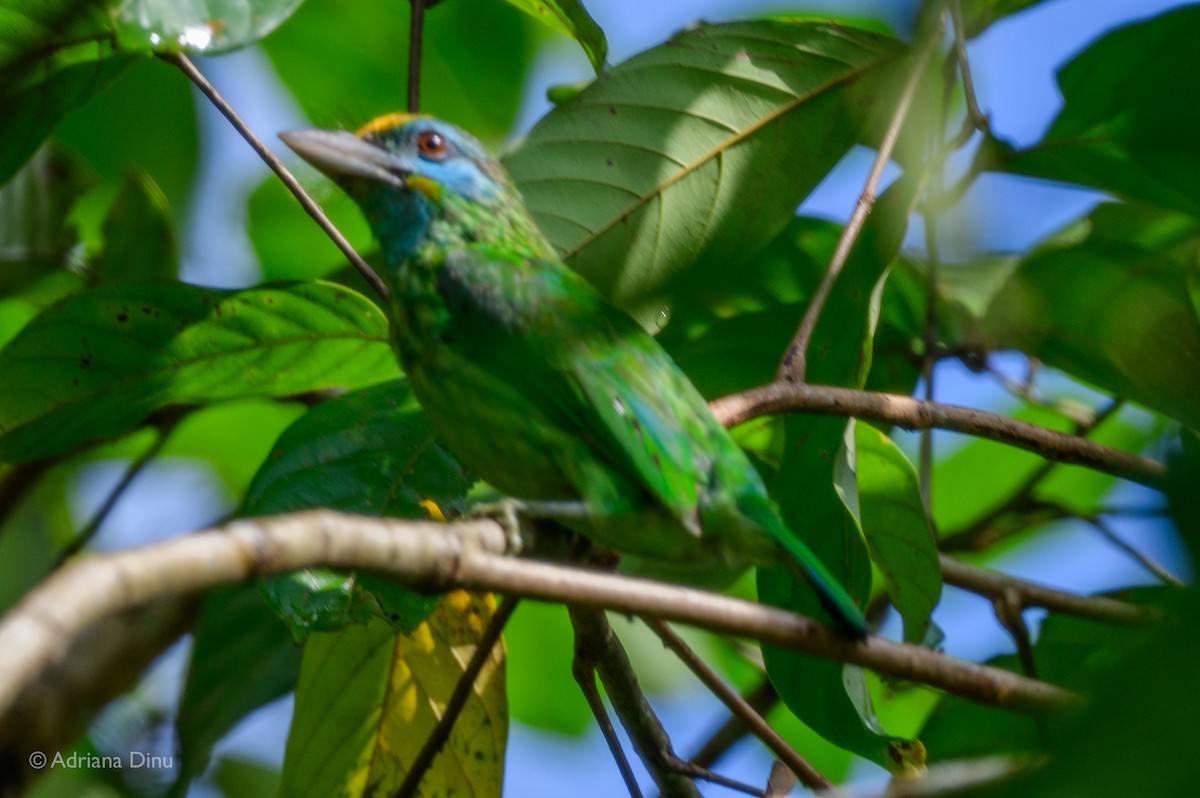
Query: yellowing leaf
x,y
368,698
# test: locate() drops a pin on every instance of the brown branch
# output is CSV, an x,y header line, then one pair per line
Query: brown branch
x,y
434,556
184,64
761,699
809,776
584,671
597,646
996,585
104,660
910,413
976,118
458,699
978,534
794,365
1009,609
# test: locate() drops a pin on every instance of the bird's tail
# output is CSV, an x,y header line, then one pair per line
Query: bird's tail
x,y
833,597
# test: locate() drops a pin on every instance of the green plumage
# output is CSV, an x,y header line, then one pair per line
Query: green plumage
x,y
536,382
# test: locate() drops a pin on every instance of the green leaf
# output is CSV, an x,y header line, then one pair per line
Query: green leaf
x,y
700,147
474,60
897,530
139,238
1122,128
371,452
33,99
162,137
817,490
197,26
97,364
1112,309
242,658
571,18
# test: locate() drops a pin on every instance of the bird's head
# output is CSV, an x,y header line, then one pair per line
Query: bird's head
x,y
416,177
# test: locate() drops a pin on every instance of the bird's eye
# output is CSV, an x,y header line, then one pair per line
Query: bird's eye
x,y
432,144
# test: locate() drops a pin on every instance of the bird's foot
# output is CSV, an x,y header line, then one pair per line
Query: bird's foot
x,y
509,513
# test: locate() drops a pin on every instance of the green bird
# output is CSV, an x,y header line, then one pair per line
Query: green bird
x,y
549,393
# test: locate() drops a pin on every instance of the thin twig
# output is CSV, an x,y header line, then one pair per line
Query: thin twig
x,y
585,676
809,776
458,699
310,206
89,530
794,365
1022,499
994,585
1141,558
434,556
597,645
760,699
975,117
910,413
416,37
1009,608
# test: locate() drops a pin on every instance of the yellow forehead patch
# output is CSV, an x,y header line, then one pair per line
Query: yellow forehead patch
x,y
387,122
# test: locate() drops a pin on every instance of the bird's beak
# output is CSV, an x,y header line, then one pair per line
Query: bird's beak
x,y
340,154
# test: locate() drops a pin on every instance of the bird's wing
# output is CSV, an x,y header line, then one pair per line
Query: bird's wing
x,y
543,329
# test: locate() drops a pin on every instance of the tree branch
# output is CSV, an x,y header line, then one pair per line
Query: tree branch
x,y
597,646
185,65
434,556
795,360
102,661
995,585
809,776
760,700
910,413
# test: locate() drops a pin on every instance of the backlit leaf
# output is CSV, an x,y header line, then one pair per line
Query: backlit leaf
x,y
571,18
369,696
650,167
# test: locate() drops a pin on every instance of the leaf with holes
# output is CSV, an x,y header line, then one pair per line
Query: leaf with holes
x,y
700,147
369,697
99,363
371,452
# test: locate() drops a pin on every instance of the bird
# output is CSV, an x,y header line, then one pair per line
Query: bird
x,y
551,394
